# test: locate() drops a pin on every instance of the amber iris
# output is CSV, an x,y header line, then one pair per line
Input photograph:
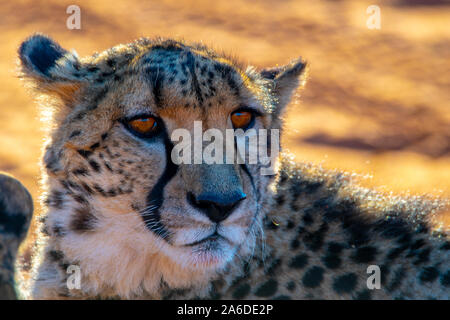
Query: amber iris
x,y
241,119
144,125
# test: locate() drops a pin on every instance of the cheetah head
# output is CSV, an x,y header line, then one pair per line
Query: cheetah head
x,y
119,204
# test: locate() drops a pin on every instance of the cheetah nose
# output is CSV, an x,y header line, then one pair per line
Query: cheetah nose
x,y
217,207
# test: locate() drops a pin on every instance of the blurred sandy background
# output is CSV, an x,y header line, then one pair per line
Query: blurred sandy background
x,y
377,101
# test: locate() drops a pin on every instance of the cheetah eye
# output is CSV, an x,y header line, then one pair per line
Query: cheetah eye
x,y
242,119
143,126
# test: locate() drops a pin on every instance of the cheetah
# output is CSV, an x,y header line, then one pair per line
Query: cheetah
x,y
139,226
16,208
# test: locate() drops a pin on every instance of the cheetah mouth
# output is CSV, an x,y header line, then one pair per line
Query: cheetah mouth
x,y
213,251
211,240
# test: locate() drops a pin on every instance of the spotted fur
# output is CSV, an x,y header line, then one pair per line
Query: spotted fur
x,y
119,209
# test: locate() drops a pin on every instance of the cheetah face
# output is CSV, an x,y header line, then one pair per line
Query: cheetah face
x,y
111,156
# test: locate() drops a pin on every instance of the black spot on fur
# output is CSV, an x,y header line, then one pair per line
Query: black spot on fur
x,y
283,177
290,225
301,230
70,186
364,254
108,166
396,279
80,199
80,172
332,258
295,244
345,283
190,65
358,231
74,134
106,74
44,230
445,246
95,146
290,286
428,274
423,256
55,255
52,160
233,85
246,269
55,199
58,230
391,228
332,261
394,253
216,287
314,240
80,115
83,220
364,294
242,291
307,217
313,277
94,165
417,244
93,69
422,228
135,207
98,98
85,153
267,289
445,279
384,271
300,186
110,62
299,261
156,79
111,193
99,190
405,239
279,199
86,188
276,264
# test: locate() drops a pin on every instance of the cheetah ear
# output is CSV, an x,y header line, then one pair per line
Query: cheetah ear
x,y
50,68
284,81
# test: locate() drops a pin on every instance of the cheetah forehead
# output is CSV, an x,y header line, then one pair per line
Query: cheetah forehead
x,y
170,73
153,74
